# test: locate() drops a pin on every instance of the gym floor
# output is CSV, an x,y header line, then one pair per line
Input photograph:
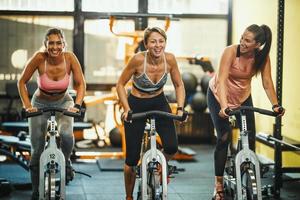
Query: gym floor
x,y
195,183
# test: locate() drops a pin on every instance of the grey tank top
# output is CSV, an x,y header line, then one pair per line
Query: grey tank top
x,y
144,84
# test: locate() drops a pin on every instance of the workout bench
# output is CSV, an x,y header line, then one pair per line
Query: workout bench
x,y
19,150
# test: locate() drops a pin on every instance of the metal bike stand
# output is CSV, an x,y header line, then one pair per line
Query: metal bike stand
x,y
246,155
242,173
153,155
48,161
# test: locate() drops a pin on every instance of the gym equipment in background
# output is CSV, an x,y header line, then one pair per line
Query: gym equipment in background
x,y
10,113
287,146
198,102
190,82
203,61
204,83
17,149
115,137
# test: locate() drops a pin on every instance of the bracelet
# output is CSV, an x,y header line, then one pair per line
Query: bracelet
x,y
180,108
77,106
275,106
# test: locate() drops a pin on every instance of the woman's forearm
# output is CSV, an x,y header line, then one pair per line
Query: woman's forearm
x,y
24,94
123,97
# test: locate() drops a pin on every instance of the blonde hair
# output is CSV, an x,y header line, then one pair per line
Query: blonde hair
x,y
150,30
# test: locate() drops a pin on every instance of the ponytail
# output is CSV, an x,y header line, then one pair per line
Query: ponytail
x,y
262,35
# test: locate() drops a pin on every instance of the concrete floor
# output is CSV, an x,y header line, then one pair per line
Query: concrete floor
x,y
195,183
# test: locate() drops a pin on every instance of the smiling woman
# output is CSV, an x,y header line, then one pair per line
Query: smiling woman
x,y
149,70
231,88
54,66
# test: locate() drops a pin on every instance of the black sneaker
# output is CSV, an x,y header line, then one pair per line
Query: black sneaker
x,y
70,173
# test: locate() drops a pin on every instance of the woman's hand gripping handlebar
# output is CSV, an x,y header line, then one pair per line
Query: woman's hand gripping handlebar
x,y
241,109
40,111
156,113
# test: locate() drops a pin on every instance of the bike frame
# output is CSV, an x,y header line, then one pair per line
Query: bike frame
x,y
153,155
246,155
50,156
52,160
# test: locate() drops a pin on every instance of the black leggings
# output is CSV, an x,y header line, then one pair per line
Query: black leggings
x,y
223,130
134,131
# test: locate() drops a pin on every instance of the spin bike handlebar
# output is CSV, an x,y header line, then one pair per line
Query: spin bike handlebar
x,y
40,111
240,109
156,113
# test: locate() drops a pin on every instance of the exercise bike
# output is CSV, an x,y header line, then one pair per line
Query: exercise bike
x,y
242,180
153,171
52,174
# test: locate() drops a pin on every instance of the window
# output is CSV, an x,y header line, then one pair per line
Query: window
x,y
105,51
191,37
188,6
37,5
110,5
23,36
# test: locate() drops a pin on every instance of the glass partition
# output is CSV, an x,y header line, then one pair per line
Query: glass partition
x,y
110,5
105,51
195,37
23,36
37,5
188,6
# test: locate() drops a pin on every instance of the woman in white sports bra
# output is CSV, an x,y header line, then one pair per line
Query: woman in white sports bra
x,y
149,72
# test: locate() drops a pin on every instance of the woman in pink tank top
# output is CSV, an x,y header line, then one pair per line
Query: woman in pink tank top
x,y
231,87
54,66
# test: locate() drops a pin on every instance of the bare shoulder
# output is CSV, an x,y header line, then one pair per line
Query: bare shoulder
x,y
170,58
69,55
137,59
231,50
39,55
38,58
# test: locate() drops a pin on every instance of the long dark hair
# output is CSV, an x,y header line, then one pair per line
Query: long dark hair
x,y
262,35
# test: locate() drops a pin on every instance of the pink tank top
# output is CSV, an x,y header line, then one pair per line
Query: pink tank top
x,y
238,82
48,85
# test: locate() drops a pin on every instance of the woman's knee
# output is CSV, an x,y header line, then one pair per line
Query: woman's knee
x,y
132,156
66,133
35,155
131,161
223,142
